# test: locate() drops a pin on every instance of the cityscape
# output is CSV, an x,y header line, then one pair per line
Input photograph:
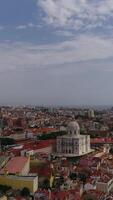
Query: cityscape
x,y
56,100
56,153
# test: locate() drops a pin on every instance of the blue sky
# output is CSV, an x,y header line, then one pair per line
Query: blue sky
x,y
56,52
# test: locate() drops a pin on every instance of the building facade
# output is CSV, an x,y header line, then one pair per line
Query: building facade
x,y
73,144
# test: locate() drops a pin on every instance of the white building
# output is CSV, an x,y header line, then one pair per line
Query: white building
x,y
105,185
73,144
91,113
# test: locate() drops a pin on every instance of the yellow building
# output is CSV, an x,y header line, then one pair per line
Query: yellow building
x,y
3,198
19,182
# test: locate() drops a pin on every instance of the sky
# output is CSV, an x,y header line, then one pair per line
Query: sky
x,y
56,52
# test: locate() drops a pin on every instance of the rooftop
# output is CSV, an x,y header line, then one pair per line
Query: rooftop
x,y
15,165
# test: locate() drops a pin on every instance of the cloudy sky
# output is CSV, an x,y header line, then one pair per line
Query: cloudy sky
x,y
56,52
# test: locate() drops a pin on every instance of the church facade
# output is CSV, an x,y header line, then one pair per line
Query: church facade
x,y
73,144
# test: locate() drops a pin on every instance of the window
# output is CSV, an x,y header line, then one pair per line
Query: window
x,y
70,151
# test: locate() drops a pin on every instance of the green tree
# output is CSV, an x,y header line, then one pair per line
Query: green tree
x,y
52,135
25,192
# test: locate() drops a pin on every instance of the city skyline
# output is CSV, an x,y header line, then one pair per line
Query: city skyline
x,y
56,52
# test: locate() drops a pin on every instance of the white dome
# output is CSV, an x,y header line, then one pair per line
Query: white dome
x,y
73,128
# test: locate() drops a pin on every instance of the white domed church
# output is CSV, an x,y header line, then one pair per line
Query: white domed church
x,y
73,144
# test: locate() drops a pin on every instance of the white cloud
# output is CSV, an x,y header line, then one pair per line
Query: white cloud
x,y
21,27
28,56
77,13
29,25
64,33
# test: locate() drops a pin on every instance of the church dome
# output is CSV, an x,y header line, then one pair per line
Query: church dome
x,y
73,128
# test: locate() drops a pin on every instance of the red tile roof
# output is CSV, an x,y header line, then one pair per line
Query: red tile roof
x,y
32,145
101,140
43,130
15,165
